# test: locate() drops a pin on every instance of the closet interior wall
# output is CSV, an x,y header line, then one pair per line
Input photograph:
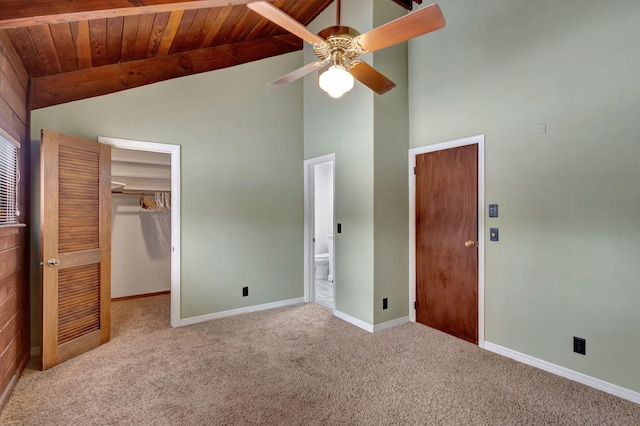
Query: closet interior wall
x,y
141,238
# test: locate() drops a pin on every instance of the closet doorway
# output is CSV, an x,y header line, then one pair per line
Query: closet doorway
x,y
146,188
319,236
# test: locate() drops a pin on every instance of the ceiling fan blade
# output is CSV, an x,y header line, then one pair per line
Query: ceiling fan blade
x,y
367,75
285,21
414,24
299,73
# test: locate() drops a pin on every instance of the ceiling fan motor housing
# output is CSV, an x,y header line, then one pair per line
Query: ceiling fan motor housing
x,y
340,48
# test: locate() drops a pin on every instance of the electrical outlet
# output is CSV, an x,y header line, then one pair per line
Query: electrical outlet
x,y
245,291
579,345
385,303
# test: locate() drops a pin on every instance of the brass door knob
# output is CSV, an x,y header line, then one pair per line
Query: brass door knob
x,y
469,243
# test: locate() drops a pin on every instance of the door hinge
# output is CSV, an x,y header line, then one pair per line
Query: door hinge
x,y
414,170
415,305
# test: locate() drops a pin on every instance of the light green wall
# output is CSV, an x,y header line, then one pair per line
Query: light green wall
x,y
369,136
242,152
344,126
567,262
391,210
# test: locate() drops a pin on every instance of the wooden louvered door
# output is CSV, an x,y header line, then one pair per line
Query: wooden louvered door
x,y
76,246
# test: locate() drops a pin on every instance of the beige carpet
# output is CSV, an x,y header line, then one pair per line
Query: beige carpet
x,y
297,366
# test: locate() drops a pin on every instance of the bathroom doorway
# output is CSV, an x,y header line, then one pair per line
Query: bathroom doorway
x,y
319,225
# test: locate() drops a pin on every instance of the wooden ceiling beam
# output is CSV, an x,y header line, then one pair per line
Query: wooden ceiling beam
x,y
81,84
20,13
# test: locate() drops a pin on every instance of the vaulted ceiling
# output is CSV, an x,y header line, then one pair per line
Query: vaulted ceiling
x,y
78,49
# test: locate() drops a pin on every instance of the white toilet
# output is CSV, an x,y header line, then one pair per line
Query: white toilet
x,y
321,266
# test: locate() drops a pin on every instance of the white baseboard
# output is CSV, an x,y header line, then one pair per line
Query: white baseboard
x,y
232,312
368,327
390,324
353,320
565,372
36,351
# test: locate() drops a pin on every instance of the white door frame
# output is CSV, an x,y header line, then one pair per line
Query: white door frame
x,y
479,140
309,224
174,150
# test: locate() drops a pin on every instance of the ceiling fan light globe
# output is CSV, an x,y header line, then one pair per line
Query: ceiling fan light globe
x,y
336,81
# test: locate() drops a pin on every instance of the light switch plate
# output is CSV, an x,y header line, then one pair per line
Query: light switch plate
x,y
493,234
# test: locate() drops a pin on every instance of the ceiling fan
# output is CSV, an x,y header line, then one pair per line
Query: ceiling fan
x,y
338,47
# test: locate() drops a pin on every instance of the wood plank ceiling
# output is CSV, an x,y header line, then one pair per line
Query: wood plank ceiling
x,y
79,49
83,48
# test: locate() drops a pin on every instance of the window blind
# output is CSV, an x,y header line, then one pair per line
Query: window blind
x,y
9,178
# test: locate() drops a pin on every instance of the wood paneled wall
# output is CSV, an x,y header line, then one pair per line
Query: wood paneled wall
x,y
14,283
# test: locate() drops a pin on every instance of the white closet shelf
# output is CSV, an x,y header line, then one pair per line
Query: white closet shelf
x,y
150,174
143,184
140,157
140,190
151,162
117,186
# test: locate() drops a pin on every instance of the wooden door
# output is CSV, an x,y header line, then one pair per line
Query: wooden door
x,y
76,246
446,241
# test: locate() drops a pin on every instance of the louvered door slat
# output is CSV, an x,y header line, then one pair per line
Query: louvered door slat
x,y
78,301
79,212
